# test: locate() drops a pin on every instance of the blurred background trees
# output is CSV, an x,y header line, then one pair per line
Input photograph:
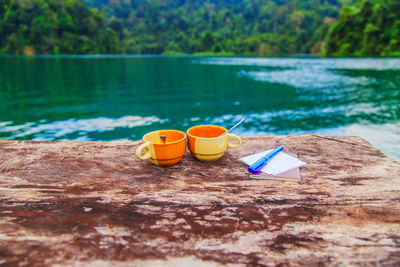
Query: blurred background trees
x,y
246,27
370,27
54,27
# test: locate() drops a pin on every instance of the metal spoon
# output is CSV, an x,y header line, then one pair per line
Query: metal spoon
x,y
163,138
234,126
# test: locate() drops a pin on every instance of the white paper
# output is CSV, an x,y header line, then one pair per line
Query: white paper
x,y
282,162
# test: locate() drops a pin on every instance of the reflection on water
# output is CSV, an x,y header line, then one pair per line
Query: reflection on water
x,y
123,97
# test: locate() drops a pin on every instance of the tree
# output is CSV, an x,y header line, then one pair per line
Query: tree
x,y
369,28
53,26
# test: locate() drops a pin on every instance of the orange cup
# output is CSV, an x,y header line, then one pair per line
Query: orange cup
x,y
209,142
163,148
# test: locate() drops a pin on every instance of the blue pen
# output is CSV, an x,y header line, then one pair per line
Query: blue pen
x,y
256,167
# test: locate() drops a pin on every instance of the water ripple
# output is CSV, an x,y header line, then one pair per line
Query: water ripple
x,y
58,130
316,63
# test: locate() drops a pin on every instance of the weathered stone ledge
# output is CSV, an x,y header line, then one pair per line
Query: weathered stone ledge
x,y
94,203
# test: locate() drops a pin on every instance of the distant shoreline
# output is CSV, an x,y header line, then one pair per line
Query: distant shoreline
x,y
185,55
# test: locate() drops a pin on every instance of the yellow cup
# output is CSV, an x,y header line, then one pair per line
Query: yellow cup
x,y
209,143
163,148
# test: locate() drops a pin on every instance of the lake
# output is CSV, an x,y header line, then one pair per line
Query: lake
x,y
124,97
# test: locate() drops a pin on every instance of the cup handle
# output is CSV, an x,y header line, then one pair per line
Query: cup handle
x,y
146,148
234,136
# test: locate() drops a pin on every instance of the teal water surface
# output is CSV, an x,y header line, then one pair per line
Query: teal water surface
x,y
124,97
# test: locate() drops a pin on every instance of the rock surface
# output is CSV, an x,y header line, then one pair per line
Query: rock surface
x,y
95,204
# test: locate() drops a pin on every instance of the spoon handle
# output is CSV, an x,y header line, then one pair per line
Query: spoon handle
x,y
234,126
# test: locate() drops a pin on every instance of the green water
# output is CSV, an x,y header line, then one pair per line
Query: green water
x,y
124,97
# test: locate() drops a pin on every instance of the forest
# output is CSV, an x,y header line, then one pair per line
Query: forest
x,y
371,27
220,27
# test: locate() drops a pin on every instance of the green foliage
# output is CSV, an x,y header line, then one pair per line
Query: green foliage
x,y
370,28
247,27
54,27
